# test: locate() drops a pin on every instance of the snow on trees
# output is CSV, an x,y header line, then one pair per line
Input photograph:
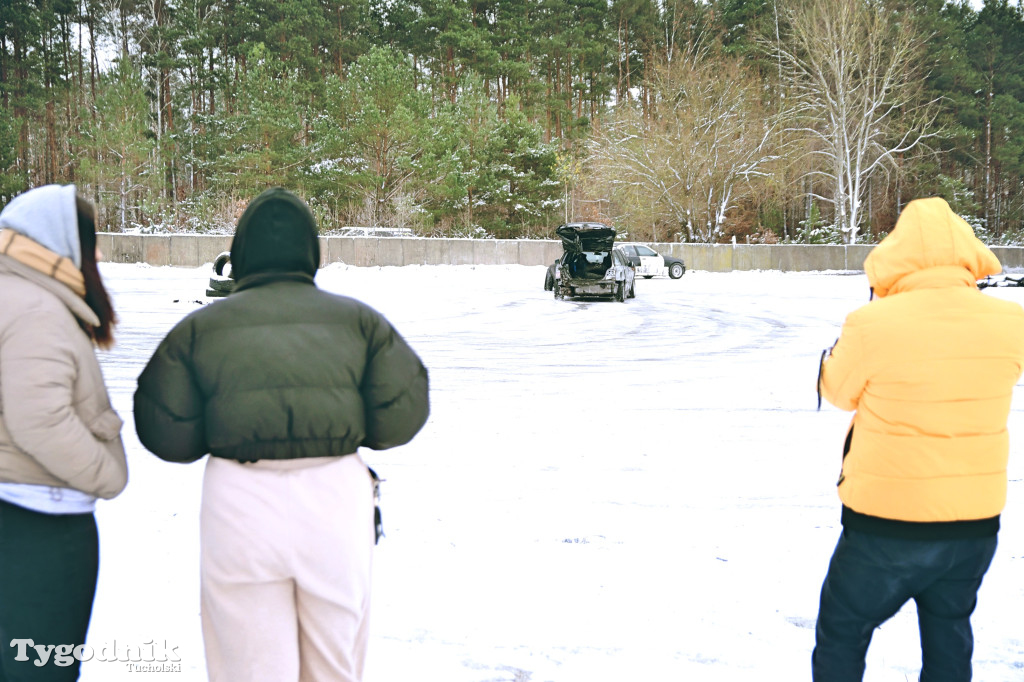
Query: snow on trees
x,y
852,74
691,158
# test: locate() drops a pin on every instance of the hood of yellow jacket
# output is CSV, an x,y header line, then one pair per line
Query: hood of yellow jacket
x,y
928,234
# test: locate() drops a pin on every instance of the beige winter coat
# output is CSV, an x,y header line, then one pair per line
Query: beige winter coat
x,y
57,427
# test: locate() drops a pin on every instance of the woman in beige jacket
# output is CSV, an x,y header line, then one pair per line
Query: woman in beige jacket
x,y
60,443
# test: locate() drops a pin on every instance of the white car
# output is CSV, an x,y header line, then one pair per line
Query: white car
x,y
647,262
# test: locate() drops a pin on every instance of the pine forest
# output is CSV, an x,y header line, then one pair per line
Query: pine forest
x,y
764,121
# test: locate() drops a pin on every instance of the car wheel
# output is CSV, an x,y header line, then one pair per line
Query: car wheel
x,y
632,289
648,276
676,270
620,292
549,281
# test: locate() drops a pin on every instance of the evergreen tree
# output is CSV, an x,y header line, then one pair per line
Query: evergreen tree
x,y
262,142
351,29
374,129
634,24
452,170
516,41
447,40
118,147
996,42
13,179
521,184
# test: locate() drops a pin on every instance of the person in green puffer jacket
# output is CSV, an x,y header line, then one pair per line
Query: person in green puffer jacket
x,y
281,383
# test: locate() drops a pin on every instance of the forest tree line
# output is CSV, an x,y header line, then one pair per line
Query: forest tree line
x,y
674,120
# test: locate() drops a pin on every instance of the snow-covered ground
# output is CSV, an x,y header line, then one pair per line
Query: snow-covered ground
x,y
604,491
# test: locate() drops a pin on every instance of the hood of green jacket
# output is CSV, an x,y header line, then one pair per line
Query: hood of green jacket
x,y
276,234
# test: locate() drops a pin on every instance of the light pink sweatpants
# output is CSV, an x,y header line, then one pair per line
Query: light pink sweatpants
x,y
286,549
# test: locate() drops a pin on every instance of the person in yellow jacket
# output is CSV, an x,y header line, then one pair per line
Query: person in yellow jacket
x,y
928,367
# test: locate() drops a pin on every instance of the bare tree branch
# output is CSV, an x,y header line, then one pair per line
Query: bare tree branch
x,y
697,152
854,68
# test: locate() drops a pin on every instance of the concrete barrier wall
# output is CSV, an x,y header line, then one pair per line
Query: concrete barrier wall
x,y
1009,256
190,250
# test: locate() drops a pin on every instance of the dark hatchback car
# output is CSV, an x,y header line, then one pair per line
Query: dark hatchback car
x,y
589,266
649,262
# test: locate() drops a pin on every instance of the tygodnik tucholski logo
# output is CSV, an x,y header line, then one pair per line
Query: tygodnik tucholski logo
x,y
150,656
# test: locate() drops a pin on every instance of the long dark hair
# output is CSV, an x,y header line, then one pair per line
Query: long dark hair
x,y
96,296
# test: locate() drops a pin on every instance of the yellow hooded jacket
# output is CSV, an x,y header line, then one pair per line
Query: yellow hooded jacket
x,y
929,367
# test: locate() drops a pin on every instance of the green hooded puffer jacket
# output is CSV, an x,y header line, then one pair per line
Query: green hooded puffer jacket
x,y
279,369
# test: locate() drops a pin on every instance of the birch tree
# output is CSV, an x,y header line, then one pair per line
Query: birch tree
x,y
853,71
694,156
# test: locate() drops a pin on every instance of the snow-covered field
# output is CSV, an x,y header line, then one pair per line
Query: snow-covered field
x,y
604,491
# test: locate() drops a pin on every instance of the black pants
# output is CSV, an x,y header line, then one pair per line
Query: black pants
x,y
871,577
48,569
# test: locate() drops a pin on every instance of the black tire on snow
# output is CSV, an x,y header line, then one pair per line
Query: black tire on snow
x,y
648,276
676,270
632,289
549,281
218,264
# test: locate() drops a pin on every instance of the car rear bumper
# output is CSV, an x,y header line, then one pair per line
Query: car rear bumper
x,y
583,287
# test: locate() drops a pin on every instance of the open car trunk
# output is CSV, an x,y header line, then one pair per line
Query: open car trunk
x,y
587,249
